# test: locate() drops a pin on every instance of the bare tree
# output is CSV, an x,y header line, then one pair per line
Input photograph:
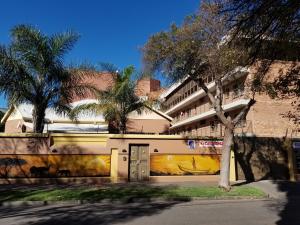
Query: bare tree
x,y
199,48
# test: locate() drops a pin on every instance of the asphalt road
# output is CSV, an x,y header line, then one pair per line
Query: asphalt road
x,y
207,212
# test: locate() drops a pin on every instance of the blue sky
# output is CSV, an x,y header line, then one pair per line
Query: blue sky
x,y
111,31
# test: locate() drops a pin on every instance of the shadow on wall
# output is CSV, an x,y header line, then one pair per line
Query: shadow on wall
x,y
10,158
260,158
68,164
32,158
135,126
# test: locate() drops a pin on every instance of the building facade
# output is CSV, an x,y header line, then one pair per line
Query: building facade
x,y
193,115
18,119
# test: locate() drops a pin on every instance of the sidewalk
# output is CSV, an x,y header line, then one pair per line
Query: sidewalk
x,y
278,189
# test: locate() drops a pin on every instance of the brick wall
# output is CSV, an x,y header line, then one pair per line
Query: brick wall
x,y
147,85
101,81
260,158
148,126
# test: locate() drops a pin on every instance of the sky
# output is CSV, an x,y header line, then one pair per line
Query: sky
x,y
110,30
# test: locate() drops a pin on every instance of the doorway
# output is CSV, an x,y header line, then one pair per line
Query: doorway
x,y
139,163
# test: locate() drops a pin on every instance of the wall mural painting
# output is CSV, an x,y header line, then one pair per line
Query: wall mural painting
x,y
54,165
172,165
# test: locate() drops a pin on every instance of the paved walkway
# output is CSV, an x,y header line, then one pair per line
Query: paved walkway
x,y
279,189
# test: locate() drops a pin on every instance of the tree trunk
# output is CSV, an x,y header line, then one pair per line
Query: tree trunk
x,y
38,116
225,162
123,126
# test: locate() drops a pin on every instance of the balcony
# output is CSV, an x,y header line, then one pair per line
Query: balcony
x,y
234,75
228,107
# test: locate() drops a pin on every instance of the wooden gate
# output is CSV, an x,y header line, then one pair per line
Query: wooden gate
x,y
139,163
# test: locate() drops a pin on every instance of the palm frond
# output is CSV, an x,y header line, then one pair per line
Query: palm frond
x,y
61,43
108,67
32,70
87,109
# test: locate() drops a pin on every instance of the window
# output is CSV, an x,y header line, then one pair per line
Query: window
x,y
242,89
189,112
193,89
209,79
238,90
235,91
226,92
213,126
202,122
189,131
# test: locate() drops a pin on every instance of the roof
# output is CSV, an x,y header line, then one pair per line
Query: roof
x,y
86,122
160,113
25,111
73,127
173,87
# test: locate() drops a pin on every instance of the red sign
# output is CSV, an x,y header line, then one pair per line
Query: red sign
x,y
213,144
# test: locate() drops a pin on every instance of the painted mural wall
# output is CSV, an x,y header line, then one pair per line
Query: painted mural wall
x,y
54,165
183,164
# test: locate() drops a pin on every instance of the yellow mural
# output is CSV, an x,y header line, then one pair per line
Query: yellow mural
x,y
166,165
54,165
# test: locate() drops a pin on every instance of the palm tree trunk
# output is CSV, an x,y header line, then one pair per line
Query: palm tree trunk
x,y
123,124
123,127
225,162
38,116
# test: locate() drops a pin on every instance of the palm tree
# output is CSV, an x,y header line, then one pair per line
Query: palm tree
x,y
116,103
32,71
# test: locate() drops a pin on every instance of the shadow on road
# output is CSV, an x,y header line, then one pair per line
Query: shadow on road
x,y
288,209
93,213
120,205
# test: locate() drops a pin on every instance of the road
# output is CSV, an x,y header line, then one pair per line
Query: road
x,y
207,212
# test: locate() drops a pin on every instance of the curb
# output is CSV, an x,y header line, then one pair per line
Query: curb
x,y
127,201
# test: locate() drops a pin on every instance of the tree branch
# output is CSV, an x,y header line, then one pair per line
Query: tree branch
x,y
243,112
216,102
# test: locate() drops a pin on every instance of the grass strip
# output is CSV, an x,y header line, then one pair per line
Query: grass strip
x,y
125,193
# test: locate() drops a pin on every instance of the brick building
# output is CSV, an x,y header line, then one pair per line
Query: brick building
x,y
149,88
193,115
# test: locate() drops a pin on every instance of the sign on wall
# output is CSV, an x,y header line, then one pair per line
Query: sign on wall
x,y
191,144
296,147
210,144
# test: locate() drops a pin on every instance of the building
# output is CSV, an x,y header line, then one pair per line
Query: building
x,y
148,88
74,152
193,115
146,85
18,119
